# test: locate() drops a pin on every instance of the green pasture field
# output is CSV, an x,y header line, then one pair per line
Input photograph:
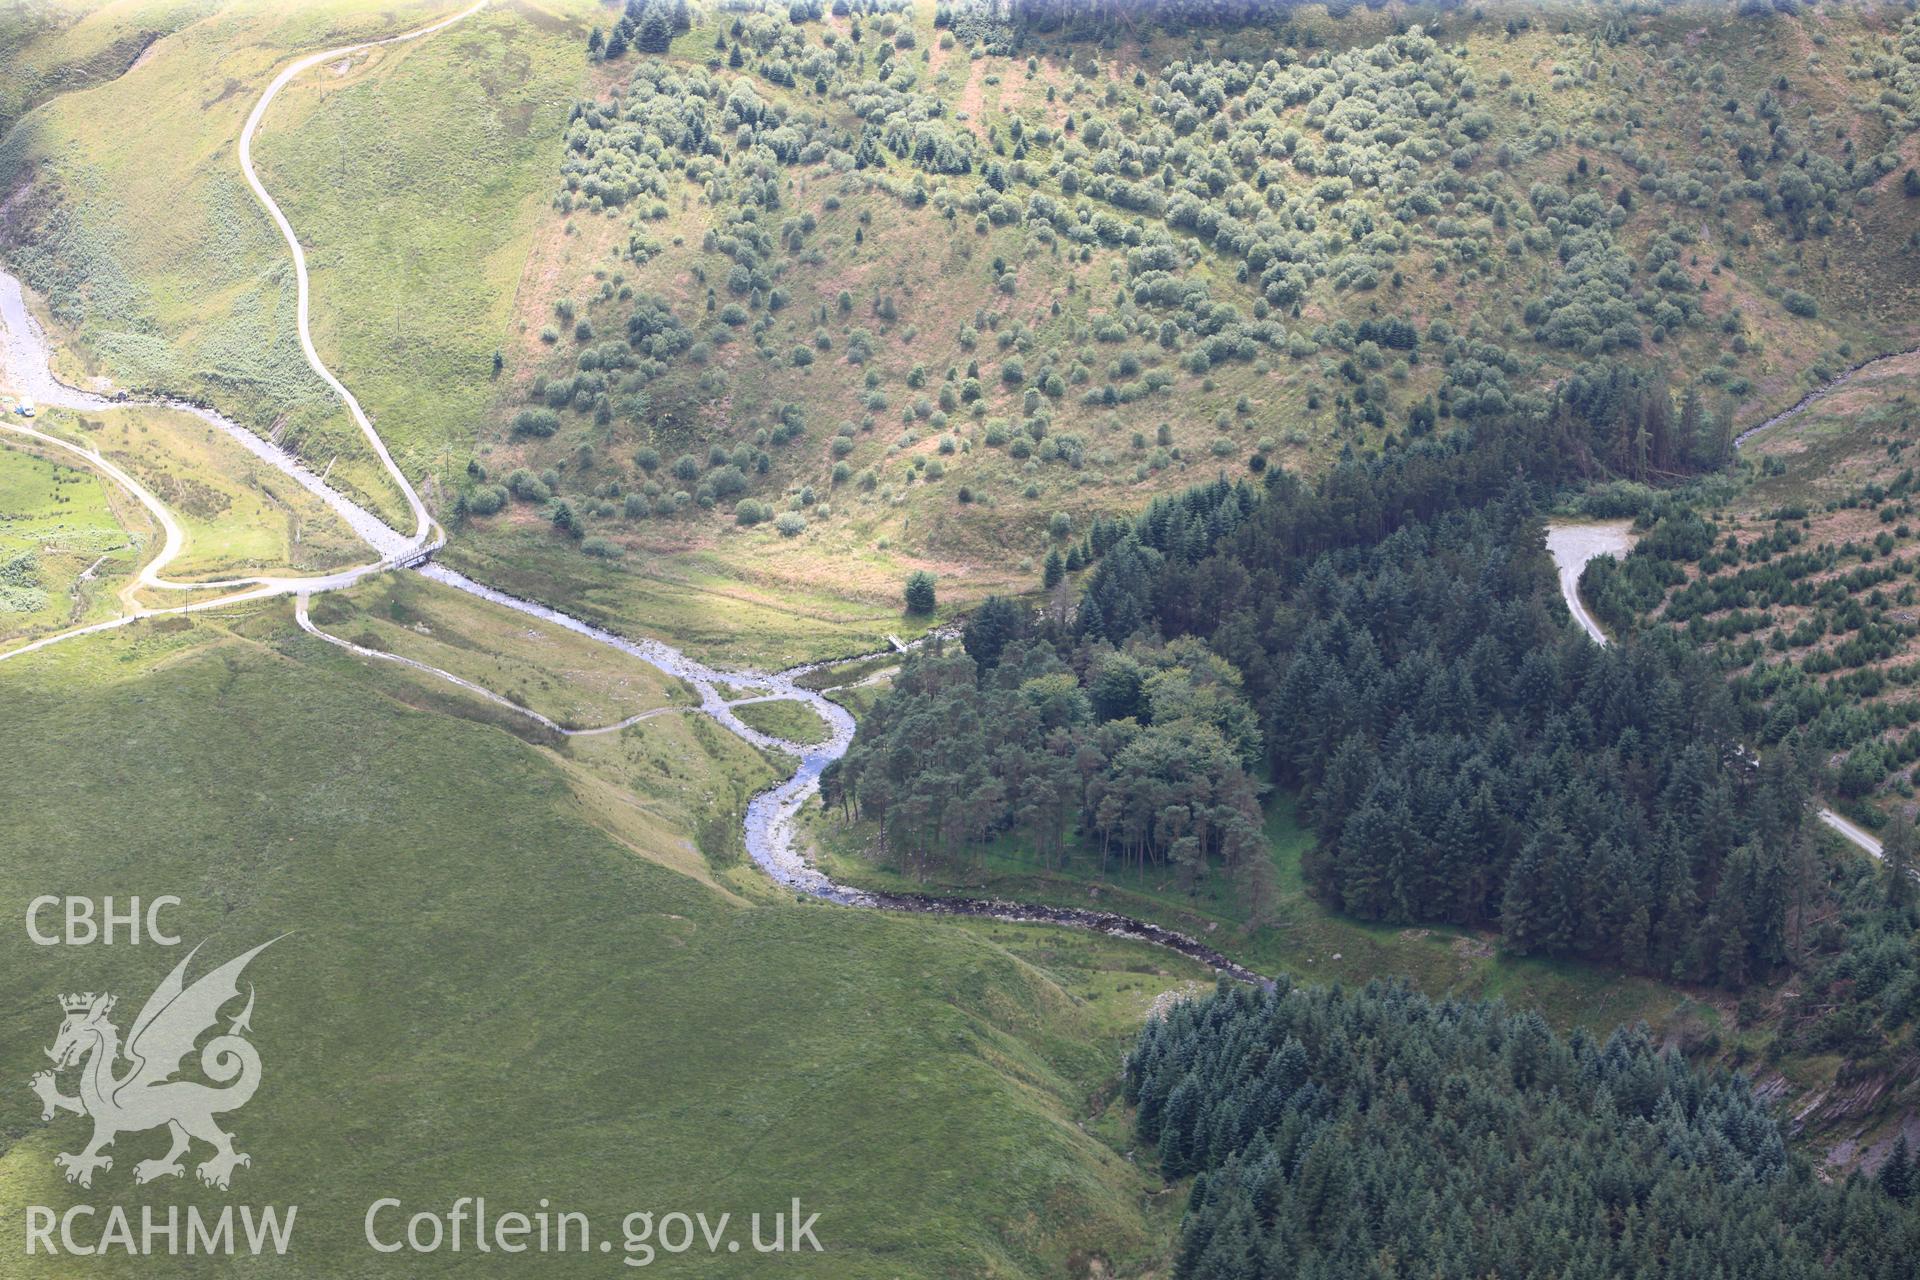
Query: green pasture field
x,y
559,1013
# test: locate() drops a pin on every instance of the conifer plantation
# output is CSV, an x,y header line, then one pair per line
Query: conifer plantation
x,y
1388,644
1377,1132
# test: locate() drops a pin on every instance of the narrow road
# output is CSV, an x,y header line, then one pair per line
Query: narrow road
x,y
1851,832
25,364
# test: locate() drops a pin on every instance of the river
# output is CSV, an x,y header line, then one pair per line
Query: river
x,y
771,816
770,819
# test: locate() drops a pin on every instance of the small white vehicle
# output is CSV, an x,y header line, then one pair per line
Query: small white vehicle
x,y
25,407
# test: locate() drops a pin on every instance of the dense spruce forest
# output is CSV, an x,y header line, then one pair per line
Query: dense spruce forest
x,y
1379,1133
1388,644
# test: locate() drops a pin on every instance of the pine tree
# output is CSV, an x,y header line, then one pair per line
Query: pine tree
x,y
1453,856
990,628
1407,869
1521,901
1560,910
1367,842
920,592
1633,939
1693,428
1053,571
655,31
1896,864
1176,1129
1897,1176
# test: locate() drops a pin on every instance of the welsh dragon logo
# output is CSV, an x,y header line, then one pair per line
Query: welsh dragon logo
x,y
146,1095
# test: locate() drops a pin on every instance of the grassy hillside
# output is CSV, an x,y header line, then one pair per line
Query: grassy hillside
x,y
414,175
125,208
561,1015
56,47
930,292
921,289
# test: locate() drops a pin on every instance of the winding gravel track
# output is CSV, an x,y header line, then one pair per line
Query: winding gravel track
x,y
24,362
424,529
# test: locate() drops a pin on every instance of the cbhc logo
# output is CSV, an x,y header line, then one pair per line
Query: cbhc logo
x,y
80,925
